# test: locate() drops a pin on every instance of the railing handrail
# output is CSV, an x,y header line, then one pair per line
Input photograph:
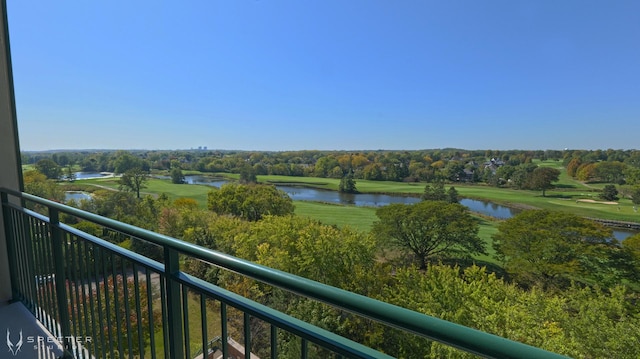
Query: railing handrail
x,y
452,334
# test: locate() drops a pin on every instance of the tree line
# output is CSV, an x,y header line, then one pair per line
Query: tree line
x,y
423,165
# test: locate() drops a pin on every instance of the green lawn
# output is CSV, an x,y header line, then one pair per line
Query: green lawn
x,y
360,218
158,186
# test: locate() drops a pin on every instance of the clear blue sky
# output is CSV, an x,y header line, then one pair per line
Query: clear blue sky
x,y
325,74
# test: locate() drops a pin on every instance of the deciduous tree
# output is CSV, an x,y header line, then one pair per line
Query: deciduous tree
x,y
542,177
37,184
176,176
572,167
430,228
251,202
49,168
125,161
134,180
611,172
347,184
434,192
549,248
609,193
248,175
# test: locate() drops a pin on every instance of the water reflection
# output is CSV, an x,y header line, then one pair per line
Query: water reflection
x,y
489,208
360,199
76,196
621,234
88,175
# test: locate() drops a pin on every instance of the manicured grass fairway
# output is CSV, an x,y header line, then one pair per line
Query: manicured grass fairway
x,y
159,186
360,218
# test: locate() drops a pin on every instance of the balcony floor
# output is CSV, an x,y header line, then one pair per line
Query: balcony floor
x,y
27,337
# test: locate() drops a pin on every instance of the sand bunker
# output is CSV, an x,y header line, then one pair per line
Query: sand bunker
x,y
592,201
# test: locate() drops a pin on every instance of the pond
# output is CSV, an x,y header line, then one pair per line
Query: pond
x,y
197,179
486,208
489,208
88,175
76,196
360,199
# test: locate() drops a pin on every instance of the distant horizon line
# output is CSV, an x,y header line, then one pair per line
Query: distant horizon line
x,y
322,150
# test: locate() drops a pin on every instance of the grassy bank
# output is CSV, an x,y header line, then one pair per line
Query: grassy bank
x,y
566,197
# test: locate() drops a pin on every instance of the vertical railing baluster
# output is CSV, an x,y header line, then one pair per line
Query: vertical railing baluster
x,y
165,315
136,286
37,268
30,271
45,245
22,260
54,313
172,269
247,335
90,281
73,288
152,337
97,257
185,320
107,301
274,341
61,293
127,309
83,294
203,323
116,301
225,330
41,270
304,349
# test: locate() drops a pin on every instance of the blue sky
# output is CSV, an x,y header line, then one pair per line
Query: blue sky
x,y
326,75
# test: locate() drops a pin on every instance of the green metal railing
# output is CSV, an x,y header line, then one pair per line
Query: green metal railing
x,y
105,301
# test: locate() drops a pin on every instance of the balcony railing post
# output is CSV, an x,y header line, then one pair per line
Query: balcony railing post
x,y
61,290
174,303
10,239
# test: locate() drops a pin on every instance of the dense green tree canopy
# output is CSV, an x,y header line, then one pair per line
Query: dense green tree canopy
x,y
177,176
347,184
134,180
542,177
609,193
549,248
430,228
248,174
581,322
434,192
250,201
126,161
611,172
37,184
49,168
